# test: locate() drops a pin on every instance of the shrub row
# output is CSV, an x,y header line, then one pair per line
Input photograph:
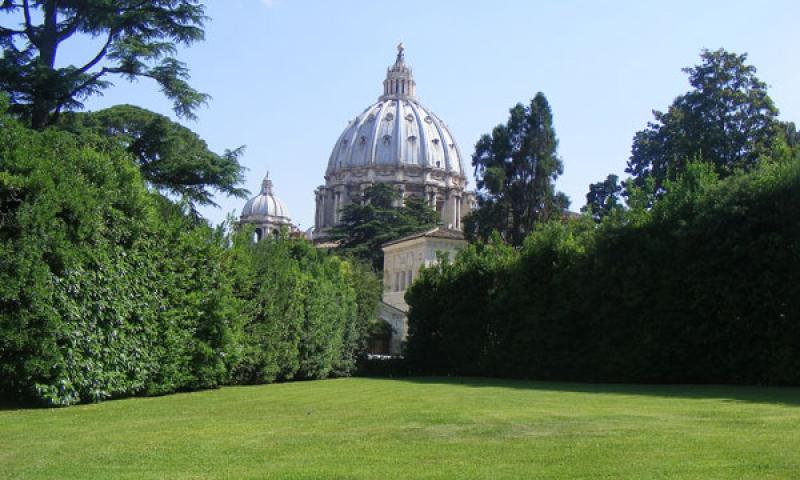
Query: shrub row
x,y
704,287
109,290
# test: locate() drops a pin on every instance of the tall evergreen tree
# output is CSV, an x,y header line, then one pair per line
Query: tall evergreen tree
x,y
138,39
727,120
516,168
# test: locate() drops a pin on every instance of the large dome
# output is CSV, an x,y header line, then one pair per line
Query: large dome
x,y
399,142
396,131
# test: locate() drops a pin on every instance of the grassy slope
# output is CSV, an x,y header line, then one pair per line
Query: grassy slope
x,y
429,428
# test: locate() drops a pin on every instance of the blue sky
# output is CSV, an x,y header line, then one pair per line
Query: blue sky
x,y
287,75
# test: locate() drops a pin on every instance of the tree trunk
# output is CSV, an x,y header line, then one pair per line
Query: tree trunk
x,y
43,105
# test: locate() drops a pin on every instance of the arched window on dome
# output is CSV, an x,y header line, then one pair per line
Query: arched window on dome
x,y
257,234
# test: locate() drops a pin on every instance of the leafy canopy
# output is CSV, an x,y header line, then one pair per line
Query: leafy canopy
x,y
516,167
137,38
603,198
172,158
727,120
376,219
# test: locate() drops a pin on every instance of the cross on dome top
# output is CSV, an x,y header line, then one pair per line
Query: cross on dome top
x,y
399,81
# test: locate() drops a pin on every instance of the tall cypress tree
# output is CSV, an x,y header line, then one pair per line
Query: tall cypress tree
x,y
516,168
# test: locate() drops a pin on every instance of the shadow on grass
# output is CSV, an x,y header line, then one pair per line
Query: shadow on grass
x,y
789,396
13,405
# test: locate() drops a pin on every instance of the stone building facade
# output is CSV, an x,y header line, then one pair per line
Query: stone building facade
x,y
402,261
400,142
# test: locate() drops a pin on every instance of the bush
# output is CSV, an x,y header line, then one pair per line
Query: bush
x,y
307,311
702,288
109,290
105,290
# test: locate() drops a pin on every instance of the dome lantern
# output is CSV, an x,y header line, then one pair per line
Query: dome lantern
x,y
399,81
266,185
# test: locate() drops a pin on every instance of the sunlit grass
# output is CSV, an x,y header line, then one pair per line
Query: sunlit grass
x,y
426,428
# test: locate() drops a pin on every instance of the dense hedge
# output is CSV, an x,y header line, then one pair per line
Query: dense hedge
x,y
705,287
307,311
109,290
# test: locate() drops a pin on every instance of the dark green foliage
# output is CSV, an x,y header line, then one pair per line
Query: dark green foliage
x,y
376,219
727,119
139,39
453,309
516,167
108,290
171,157
703,288
603,198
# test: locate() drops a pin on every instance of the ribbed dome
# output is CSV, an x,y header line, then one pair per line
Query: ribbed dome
x,y
397,131
265,205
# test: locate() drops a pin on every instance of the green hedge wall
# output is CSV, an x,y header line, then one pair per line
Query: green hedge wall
x,y
702,288
109,290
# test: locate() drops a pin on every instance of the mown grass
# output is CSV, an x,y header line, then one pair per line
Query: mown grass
x,y
418,428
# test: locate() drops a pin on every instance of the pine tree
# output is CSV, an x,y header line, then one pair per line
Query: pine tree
x,y
139,40
516,168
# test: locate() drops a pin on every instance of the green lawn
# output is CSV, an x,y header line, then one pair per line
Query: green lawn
x,y
422,428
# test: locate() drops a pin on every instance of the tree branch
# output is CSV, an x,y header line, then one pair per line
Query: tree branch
x,y
93,78
70,29
99,56
28,24
10,31
9,5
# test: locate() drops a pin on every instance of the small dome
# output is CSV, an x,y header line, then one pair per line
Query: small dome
x,y
397,131
265,206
